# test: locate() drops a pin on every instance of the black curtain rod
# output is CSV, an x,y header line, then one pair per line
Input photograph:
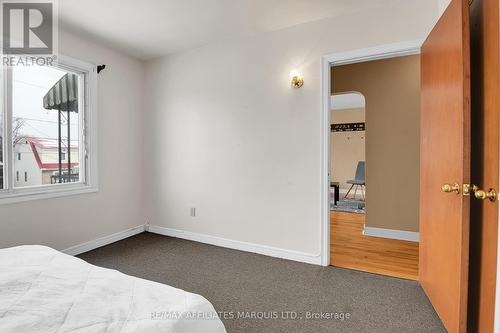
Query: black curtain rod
x,y
100,68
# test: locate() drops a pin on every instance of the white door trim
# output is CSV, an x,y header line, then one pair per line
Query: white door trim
x,y
327,61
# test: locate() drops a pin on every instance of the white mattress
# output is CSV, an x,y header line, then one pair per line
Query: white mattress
x,y
44,290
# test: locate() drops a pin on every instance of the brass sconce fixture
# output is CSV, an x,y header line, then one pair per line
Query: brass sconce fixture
x,y
297,80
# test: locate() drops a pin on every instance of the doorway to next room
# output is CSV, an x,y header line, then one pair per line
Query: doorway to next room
x,y
347,151
374,148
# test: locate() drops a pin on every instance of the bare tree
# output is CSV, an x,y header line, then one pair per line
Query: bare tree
x,y
17,125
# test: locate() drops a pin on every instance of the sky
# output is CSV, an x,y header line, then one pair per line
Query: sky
x,y
29,86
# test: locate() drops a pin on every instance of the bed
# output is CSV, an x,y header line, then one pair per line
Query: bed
x,y
44,290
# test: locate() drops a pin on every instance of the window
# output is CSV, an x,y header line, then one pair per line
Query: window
x,y
47,123
49,126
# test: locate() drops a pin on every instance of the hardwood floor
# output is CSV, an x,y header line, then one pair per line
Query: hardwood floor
x,y
349,248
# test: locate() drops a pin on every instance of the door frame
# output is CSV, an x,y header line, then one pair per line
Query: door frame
x,y
384,51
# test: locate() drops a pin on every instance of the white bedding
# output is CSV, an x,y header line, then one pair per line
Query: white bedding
x,y
44,290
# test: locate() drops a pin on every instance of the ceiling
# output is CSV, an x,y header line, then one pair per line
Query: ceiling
x,y
347,101
152,28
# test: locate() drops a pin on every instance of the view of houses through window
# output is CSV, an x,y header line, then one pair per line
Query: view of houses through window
x,y
45,126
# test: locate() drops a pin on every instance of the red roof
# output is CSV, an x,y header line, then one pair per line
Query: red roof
x,y
37,143
48,143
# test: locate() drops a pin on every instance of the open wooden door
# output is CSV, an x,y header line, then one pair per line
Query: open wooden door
x,y
445,166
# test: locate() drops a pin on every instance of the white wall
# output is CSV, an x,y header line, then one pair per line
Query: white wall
x,y
27,164
68,221
225,133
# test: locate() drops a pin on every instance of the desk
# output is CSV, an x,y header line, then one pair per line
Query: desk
x,y
336,192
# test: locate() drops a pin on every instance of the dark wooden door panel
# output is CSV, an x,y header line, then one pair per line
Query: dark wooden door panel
x,y
485,89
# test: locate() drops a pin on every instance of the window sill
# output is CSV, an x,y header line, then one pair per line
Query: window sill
x,y
23,195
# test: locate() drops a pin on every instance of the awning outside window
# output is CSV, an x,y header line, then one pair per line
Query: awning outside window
x,y
63,95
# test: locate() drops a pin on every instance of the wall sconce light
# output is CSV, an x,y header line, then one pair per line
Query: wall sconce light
x,y
297,80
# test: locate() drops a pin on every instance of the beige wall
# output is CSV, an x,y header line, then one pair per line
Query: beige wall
x,y
392,92
347,148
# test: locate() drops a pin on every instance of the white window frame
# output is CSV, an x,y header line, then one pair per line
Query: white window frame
x,y
88,137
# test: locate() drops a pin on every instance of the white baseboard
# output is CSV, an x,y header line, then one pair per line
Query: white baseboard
x,y
392,234
94,244
237,245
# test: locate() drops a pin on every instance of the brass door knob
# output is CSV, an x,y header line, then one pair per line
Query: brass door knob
x,y
491,194
447,188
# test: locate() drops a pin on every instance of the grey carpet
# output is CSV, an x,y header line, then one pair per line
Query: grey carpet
x,y
349,205
238,281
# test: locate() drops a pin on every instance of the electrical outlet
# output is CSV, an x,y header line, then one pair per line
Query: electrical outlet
x,y
193,212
